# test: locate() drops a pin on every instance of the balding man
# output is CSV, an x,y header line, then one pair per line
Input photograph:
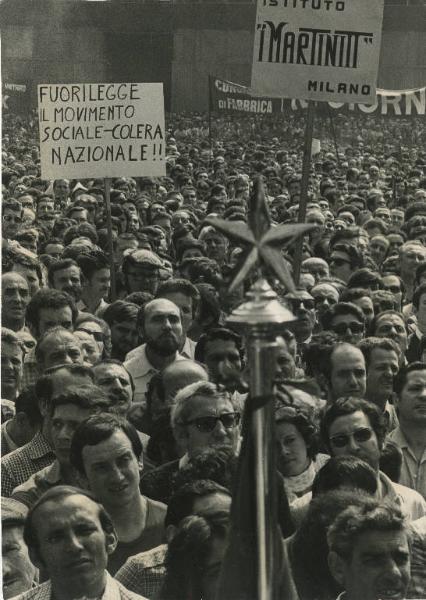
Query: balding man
x,y
160,326
58,346
15,299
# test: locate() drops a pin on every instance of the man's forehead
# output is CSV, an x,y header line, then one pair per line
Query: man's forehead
x,y
63,379
109,370
377,542
13,280
416,376
69,509
162,308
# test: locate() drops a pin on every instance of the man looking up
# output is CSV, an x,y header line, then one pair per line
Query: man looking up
x,y
106,451
410,435
161,328
15,299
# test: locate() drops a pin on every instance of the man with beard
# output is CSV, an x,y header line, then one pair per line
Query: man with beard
x,y
114,379
65,275
161,328
15,299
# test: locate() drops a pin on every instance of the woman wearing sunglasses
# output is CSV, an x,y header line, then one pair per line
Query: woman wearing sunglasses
x,y
297,450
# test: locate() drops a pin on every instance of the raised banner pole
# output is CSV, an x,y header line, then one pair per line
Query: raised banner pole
x,y
110,242
333,133
307,151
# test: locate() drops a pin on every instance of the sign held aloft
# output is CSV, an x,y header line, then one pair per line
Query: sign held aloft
x,y
325,50
101,130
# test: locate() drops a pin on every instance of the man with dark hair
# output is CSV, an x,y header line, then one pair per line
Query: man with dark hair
x,y
144,573
351,426
220,349
96,283
345,259
18,572
410,435
65,275
15,299
117,383
160,326
391,324
12,357
382,357
12,213
19,465
68,410
70,537
106,451
22,427
46,309
186,297
369,551
346,320
121,317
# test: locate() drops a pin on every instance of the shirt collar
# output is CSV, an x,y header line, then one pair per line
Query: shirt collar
x,y
39,446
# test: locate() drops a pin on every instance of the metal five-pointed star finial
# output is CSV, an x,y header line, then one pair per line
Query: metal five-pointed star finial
x,y
262,243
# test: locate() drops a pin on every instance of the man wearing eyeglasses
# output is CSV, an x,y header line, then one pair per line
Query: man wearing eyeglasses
x,y
202,418
346,320
106,451
355,427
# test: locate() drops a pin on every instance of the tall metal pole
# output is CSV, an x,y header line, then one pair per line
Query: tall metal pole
x,y
110,242
307,150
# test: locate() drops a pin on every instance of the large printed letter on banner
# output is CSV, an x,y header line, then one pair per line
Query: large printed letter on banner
x,y
101,130
325,50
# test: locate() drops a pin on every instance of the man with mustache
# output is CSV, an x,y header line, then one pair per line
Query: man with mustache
x,y
65,275
161,328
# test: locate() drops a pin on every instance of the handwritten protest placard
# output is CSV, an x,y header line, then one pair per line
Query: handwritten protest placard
x,y
325,50
101,130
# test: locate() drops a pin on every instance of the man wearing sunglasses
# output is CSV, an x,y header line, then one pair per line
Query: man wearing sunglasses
x,y
202,418
302,304
355,427
346,320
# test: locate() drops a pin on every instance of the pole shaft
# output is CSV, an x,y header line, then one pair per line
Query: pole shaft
x,y
110,243
307,150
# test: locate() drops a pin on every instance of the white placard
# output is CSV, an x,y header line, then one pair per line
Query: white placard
x,y
325,50
101,130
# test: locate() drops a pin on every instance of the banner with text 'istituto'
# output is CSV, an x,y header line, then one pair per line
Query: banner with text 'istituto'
x,y
101,130
325,50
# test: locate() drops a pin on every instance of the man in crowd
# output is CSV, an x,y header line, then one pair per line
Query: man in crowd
x,y
18,572
47,309
117,383
382,357
352,426
106,451
96,282
121,317
66,412
18,466
23,426
344,371
65,275
186,297
15,299
57,346
369,551
70,537
161,329
410,434
411,254
202,418
220,349
11,364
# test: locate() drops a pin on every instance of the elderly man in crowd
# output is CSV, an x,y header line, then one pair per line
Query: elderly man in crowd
x,y
202,418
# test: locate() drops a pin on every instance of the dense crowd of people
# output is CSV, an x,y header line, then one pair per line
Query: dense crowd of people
x,y
124,388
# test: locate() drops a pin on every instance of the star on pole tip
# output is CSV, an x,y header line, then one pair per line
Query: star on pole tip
x,y
262,243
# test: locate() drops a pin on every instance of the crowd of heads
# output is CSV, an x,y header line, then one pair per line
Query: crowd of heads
x,y
126,386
